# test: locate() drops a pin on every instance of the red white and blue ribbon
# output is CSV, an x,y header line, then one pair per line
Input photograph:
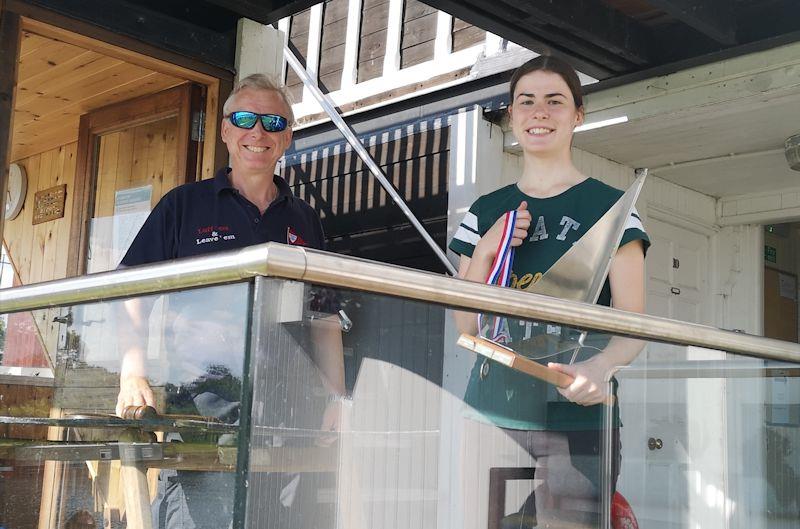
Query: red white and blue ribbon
x,y
500,274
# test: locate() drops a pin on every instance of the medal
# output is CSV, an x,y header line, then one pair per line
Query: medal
x,y
500,275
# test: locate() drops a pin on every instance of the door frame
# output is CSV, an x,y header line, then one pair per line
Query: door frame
x,y
173,102
17,16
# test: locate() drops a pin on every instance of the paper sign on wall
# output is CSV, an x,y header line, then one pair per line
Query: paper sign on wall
x,y
110,237
133,200
787,286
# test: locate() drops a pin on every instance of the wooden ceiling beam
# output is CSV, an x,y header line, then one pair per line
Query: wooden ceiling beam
x,y
713,18
9,43
497,22
265,11
594,22
144,25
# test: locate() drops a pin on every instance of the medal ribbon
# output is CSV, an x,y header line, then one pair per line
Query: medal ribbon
x,y
500,273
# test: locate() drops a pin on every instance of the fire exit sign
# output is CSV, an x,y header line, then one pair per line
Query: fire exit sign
x,y
770,254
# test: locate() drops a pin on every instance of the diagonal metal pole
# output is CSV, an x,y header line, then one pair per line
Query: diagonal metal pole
x,y
350,135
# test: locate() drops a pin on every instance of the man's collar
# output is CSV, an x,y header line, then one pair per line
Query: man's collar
x,y
222,181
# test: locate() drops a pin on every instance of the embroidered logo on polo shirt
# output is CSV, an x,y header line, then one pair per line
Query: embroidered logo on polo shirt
x,y
211,234
293,238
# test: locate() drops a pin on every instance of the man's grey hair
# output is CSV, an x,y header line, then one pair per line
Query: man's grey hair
x,y
259,81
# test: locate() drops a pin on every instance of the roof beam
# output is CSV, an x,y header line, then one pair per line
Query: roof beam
x,y
145,25
497,22
703,88
713,18
265,11
9,43
596,23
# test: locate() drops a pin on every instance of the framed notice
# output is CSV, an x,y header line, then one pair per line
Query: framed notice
x,y
48,204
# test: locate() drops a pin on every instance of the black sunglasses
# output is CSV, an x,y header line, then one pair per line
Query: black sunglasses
x,y
247,120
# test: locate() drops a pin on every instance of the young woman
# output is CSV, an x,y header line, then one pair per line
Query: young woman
x,y
556,205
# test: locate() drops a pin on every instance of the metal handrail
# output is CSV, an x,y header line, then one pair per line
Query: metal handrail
x,y
313,266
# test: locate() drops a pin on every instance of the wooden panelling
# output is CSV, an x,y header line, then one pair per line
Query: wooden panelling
x,y
120,47
156,122
372,47
466,35
24,401
348,196
298,36
334,31
135,157
780,310
22,483
59,81
38,253
324,163
358,216
419,33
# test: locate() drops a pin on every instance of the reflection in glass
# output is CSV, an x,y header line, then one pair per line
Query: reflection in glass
x,y
171,466
418,434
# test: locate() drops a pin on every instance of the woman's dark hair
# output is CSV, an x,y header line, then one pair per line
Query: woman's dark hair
x,y
548,63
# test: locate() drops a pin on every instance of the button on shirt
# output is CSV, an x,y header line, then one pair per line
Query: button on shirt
x,y
212,216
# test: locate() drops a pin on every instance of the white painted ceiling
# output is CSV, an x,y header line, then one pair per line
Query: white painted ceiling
x,y
718,129
689,139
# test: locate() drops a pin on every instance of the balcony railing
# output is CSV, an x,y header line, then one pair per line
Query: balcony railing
x,y
242,355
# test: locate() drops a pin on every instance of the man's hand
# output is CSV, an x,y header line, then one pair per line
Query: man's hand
x,y
590,384
332,421
134,391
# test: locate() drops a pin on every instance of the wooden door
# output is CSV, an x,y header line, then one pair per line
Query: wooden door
x,y
144,144
658,483
780,305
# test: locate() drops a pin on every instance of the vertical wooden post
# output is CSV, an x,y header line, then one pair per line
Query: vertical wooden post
x,y
351,44
9,43
394,36
52,476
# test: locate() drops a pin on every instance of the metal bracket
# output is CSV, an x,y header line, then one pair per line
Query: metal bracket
x,y
198,125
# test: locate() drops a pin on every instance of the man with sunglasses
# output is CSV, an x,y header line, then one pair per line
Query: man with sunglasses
x,y
244,204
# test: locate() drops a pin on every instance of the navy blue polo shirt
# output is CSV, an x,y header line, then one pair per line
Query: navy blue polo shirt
x,y
212,216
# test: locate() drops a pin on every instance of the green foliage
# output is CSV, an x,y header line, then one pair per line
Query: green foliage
x,y
2,337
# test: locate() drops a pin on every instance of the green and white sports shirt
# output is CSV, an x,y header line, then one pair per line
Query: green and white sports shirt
x,y
504,396
556,223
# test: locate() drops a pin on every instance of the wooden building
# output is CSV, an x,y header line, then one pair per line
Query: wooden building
x,y
107,105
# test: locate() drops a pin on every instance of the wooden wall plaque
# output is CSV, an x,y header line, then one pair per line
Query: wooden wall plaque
x,y
48,204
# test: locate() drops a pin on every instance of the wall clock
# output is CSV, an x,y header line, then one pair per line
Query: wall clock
x,y
17,187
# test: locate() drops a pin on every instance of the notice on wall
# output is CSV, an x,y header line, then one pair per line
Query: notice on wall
x,y
48,204
134,200
770,254
780,401
110,237
787,286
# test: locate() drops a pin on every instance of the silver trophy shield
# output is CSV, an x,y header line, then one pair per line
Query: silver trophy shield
x,y
580,273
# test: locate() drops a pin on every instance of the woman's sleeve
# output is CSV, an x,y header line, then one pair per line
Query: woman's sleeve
x,y
468,233
634,231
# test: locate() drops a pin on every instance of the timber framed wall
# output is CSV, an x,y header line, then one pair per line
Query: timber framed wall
x,y
368,52
357,215
42,138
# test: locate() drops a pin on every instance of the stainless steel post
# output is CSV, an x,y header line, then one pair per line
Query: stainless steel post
x,y
350,135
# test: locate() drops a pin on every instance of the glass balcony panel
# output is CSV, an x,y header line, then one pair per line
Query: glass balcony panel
x,y
431,434
76,463
436,435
